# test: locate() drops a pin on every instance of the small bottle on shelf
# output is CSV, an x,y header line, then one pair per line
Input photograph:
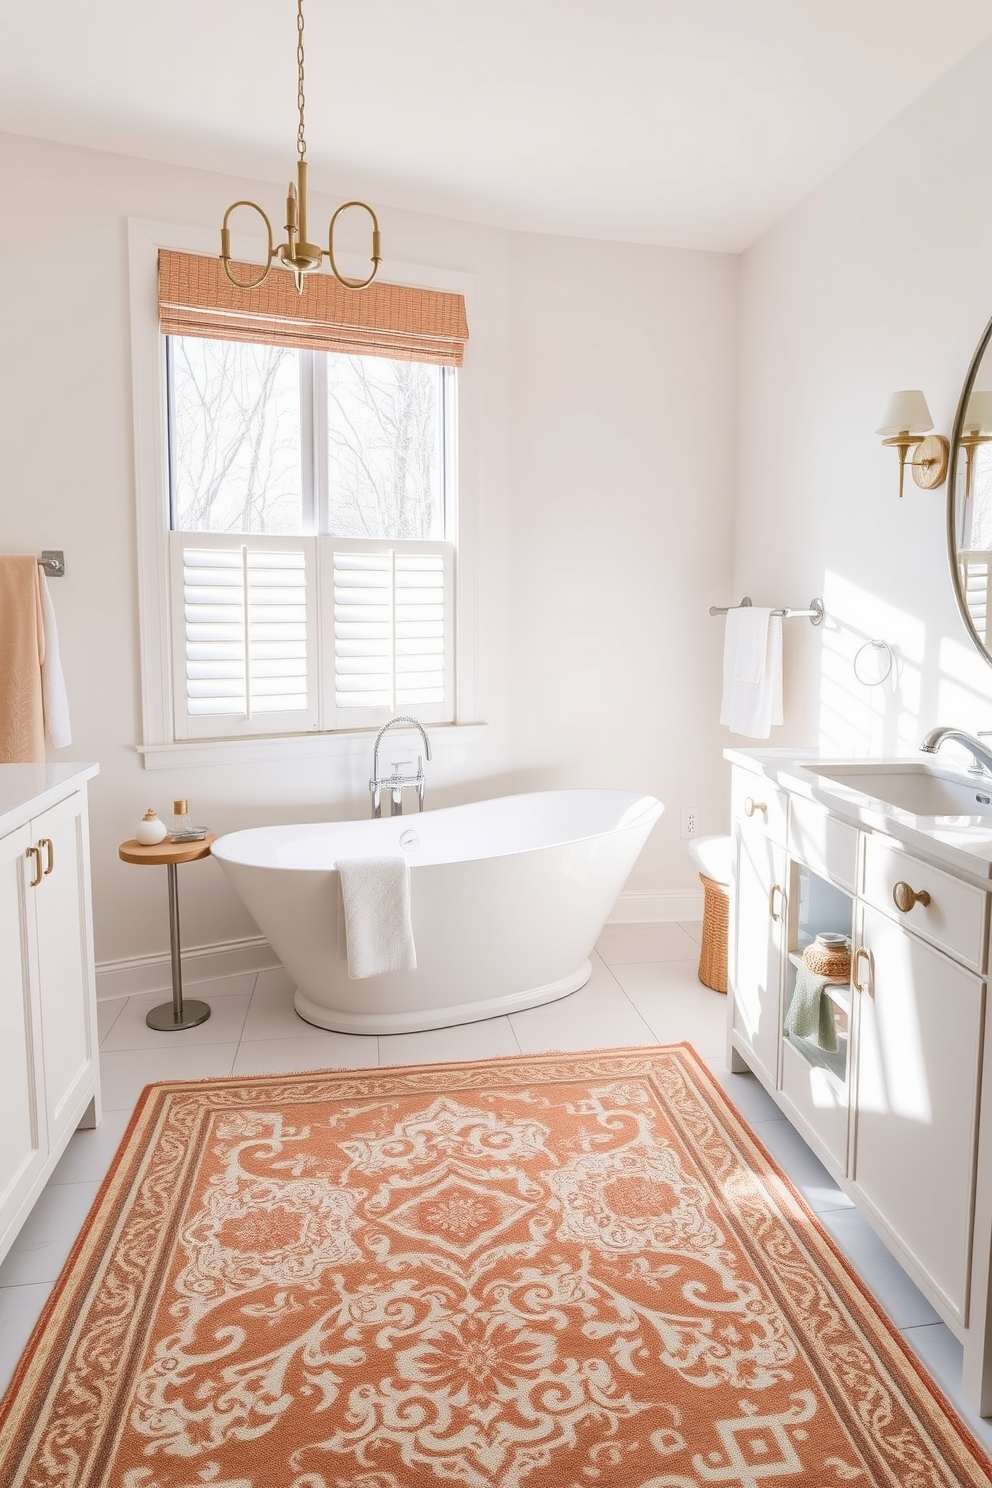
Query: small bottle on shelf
x,y
183,829
150,829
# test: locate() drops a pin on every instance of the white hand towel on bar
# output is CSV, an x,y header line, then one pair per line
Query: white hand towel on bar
x,y
752,671
378,925
55,703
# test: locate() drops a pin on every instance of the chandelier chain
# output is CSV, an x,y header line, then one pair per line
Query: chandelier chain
x,y
301,143
298,254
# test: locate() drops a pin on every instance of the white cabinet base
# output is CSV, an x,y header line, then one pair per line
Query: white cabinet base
x,y
900,1115
49,1061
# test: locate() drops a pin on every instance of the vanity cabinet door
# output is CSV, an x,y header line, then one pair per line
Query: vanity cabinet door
x,y
758,939
915,1122
60,904
23,1143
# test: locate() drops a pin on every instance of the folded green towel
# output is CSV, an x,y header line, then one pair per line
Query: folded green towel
x,y
811,1013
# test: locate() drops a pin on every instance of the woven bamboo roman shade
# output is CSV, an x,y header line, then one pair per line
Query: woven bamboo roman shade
x,y
387,320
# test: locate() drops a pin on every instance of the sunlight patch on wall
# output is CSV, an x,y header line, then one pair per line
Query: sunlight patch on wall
x,y
964,690
857,719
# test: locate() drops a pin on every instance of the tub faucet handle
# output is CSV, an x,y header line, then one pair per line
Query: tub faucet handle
x,y
397,780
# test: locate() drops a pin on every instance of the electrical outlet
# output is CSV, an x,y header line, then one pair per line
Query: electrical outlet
x,y
690,821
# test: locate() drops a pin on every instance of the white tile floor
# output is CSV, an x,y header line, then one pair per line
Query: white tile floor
x,y
643,990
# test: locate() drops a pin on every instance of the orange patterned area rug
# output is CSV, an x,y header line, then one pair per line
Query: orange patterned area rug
x,y
537,1272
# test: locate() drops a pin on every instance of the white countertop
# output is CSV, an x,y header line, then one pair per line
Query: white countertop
x,y
963,843
26,790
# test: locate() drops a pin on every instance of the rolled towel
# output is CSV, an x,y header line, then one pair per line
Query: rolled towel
x,y
375,893
811,1012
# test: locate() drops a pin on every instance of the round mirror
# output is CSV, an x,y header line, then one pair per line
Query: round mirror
x,y
969,499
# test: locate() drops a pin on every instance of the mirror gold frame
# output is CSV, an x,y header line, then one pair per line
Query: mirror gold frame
x,y
956,494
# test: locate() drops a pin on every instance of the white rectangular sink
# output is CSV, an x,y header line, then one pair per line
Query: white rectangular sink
x,y
918,787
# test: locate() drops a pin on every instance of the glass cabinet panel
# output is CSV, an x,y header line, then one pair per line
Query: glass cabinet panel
x,y
816,1018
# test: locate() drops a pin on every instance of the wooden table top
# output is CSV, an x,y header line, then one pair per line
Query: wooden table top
x,y
133,851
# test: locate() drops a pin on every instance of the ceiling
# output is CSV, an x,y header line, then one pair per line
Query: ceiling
x,y
692,123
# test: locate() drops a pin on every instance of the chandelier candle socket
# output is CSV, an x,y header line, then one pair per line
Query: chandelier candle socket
x,y
297,254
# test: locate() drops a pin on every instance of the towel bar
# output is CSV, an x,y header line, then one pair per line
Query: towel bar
x,y
52,560
814,613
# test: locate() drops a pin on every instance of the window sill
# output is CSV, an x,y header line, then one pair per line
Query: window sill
x,y
197,753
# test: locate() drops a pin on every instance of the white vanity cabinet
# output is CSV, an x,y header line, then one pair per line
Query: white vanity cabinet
x,y
756,935
916,1109
49,1070
894,1109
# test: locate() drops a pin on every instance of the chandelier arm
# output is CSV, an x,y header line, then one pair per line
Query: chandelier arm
x,y
376,255
225,246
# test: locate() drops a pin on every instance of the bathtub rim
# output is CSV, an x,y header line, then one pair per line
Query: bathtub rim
x,y
654,810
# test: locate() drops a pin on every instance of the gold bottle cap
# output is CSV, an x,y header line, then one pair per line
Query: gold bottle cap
x,y
180,807
149,815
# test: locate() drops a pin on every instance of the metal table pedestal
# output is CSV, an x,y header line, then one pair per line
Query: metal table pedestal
x,y
176,1014
169,1017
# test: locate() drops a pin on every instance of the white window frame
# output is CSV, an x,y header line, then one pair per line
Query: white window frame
x,y
160,748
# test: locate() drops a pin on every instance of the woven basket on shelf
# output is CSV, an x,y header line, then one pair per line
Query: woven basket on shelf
x,y
828,961
713,947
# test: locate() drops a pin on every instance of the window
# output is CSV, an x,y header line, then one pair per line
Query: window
x,y
312,512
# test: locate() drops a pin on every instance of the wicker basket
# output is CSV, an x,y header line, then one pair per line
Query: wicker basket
x,y
829,961
713,947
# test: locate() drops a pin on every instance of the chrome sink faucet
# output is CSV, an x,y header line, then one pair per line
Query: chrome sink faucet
x,y
395,782
980,753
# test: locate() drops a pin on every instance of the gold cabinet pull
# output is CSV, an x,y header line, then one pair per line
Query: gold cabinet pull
x,y
46,843
38,875
854,980
751,806
775,889
904,896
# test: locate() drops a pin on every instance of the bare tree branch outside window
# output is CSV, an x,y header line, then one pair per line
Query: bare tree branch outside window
x,y
236,459
384,448
236,452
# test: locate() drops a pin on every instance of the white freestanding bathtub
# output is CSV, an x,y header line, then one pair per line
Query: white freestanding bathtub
x,y
508,897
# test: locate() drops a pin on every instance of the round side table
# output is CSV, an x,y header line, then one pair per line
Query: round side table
x,y
172,1015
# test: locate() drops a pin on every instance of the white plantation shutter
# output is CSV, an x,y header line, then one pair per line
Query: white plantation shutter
x,y
388,628
244,628
976,579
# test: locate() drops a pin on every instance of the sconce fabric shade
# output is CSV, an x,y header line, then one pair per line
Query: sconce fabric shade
x,y
906,413
978,414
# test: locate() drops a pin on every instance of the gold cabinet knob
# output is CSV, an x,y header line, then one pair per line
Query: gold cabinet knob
x,y
751,806
904,896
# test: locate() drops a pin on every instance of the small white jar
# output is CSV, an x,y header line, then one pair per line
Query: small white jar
x,y
151,829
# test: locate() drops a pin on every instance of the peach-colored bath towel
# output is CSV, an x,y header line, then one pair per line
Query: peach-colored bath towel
x,y
22,652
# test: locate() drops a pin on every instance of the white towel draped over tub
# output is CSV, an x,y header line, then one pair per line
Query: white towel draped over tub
x,y
752,671
375,893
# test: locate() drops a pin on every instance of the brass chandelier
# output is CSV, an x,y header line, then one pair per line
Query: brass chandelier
x,y
297,254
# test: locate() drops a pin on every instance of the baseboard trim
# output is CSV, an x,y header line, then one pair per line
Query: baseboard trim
x,y
135,975
637,907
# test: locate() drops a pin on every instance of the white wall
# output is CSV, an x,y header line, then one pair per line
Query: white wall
x,y
881,279
600,463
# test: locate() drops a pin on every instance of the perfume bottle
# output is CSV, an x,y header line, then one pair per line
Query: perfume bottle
x,y
150,829
183,829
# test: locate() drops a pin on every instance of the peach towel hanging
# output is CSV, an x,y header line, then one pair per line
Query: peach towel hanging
x,y
22,654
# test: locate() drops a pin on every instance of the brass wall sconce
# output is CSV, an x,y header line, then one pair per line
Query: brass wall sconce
x,y
976,430
904,426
